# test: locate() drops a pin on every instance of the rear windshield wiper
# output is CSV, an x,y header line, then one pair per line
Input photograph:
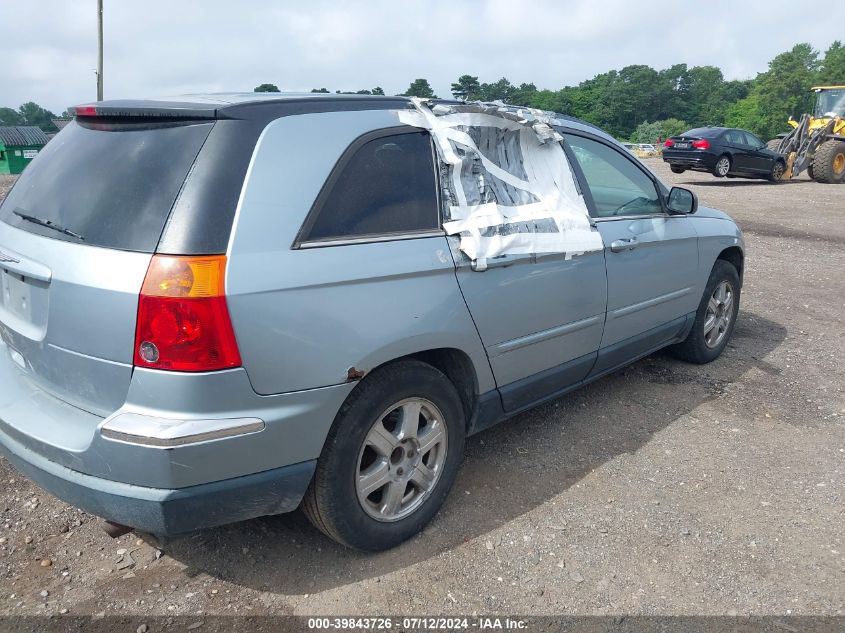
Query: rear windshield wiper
x,y
46,223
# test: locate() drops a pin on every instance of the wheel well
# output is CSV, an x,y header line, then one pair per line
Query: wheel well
x,y
733,256
459,369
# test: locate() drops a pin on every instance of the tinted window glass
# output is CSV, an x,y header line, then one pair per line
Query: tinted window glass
x,y
752,141
617,185
387,186
113,184
734,137
703,132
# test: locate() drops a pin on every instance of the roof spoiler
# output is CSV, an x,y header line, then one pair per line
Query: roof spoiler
x,y
146,110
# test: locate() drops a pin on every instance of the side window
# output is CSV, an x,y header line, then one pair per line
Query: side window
x,y
386,186
751,140
735,137
617,185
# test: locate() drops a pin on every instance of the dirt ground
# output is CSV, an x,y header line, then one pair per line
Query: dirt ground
x,y
665,488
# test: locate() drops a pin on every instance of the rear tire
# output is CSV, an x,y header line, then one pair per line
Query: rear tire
x,y
384,443
722,166
676,169
829,162
714,319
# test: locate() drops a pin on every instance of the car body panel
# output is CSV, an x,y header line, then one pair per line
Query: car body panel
x,y
74,332
561,302
341,306
652,283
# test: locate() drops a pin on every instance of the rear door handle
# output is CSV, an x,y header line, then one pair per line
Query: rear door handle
x,y
624,244
502,261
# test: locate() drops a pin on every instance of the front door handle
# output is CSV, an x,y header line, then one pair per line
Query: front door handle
x,y
624,244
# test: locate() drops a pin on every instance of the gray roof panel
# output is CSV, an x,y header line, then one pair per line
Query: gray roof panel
x,y
19,135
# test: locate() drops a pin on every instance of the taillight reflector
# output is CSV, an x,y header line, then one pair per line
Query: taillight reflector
x,y
669,143
702,143
183,319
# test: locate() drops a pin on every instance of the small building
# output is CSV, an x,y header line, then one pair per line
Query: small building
x,y
18,146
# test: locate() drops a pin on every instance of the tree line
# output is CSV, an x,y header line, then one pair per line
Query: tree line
x,y
644,105
636,102
30,113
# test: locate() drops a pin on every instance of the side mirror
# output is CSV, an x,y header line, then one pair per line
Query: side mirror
x,y
682,201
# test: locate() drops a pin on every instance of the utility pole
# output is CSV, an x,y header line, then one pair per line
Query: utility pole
x,y
99,50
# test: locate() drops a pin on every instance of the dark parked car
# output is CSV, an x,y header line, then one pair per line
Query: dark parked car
x,y
723,152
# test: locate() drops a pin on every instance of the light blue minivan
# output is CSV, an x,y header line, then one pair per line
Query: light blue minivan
x,y
214,308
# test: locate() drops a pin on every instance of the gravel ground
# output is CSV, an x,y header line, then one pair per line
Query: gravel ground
x,y
665,488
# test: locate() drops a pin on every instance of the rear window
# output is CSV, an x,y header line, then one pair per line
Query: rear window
x,y
106,184
704,132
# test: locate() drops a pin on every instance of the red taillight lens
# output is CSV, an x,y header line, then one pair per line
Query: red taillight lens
x,y
85,110
702,143
669,143
183,320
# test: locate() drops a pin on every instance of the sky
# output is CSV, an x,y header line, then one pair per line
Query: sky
x,y
155,47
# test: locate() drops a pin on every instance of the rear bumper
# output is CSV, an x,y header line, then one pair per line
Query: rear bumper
x,y
185,451
689,160
162,511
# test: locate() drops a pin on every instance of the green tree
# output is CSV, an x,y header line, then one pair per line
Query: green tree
x,y
658,130
501,90
378,90
467,88
320,90
420,88
784,89
33,114
833,66
747,114
8,116
523,95
267,88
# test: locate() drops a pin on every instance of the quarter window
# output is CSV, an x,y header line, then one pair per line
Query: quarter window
x,y
617,185
386,187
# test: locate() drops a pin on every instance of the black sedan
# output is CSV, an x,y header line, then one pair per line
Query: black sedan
x,y
723,152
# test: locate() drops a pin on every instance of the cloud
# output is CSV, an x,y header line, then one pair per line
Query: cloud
x,y
48,48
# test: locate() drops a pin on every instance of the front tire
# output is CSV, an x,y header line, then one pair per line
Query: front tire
x,y
715,317
778,169
829,163
390,459
722,166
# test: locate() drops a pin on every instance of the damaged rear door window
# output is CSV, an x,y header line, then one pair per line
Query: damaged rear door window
x,y
387,186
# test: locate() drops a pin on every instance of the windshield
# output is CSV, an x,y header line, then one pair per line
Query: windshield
x,y
106,184
830,101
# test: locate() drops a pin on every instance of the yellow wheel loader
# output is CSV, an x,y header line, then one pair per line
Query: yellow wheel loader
x,y
817,143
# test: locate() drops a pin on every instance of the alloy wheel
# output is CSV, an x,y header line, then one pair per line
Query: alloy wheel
x,y
717,320
723,166
401,461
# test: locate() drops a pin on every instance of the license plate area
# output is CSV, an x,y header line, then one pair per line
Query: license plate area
x,y
682,145
23,305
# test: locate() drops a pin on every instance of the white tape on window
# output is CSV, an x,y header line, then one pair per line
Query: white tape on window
x,y
556,221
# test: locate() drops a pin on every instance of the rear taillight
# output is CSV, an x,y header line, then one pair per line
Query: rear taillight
x,y
669,143
183,320
702,143
84,110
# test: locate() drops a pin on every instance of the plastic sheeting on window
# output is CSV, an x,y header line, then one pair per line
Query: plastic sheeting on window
x,y
507,184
